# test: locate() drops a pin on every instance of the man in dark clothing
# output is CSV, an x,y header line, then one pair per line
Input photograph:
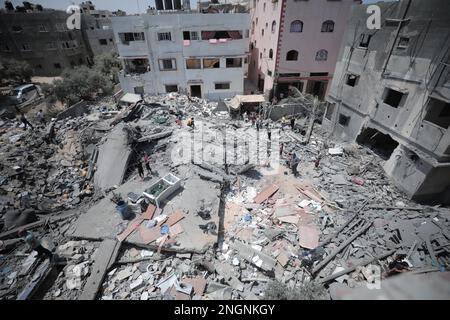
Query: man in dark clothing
x,y
26,122
269,133
147,162
35,244
292,123
140,169
294,163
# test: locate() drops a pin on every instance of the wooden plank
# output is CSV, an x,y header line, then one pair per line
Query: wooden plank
x,y
308,237
148,214
265,194
175,217
130,229
150,235
105,256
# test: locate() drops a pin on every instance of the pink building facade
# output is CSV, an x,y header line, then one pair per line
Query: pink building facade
x,y
296,42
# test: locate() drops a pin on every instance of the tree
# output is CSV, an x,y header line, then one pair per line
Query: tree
x,y
12,70
108,64
82,83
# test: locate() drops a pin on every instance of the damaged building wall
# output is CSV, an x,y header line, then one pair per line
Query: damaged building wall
x,y
396,80
169,42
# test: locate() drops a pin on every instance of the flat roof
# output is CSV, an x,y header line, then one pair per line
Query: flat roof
x,y
131,98
248,98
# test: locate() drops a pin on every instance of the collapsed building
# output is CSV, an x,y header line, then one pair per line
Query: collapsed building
x,y
391,92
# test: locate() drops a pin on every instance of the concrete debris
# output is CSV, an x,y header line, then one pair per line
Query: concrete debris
x,y
200,229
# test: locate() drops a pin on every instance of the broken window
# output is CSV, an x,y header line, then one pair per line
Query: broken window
x,y
322,55
438,113
394,98
364,40
296,26
164,36
211,63
17,29
403,43
140,65
139,90
127,37
193,64
167,64
274,26
222,86
292,55
328,26
42,28
235,34
171,88
344,120
270,54
103,42
234,62
352,80
330,110
190,35
262,32
381,144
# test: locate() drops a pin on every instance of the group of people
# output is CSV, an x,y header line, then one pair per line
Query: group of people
x,y
146,160
40,118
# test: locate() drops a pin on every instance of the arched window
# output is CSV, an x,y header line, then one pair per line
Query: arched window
x,y
274,26
296,26
264,7
292,55
328,26
322,55
270,54
262,32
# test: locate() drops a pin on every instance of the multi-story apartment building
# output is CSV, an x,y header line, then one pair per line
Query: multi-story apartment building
x,y
391,91
97,29
203,55
41,37
296,43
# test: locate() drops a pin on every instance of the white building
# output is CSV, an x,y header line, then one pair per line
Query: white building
x,y
203,55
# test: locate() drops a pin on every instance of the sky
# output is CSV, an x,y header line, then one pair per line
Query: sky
x,y
130,6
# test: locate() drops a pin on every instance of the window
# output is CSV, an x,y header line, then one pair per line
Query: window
x,y
260,55
264,7
42,28
270,54
364,41
171,88
403,43
222,34
212,63
234,62
57,65
164,36
328,26
222,86
167,64
262,32
247,33
51,46
296,26
103,42
269,73
330,111
393,97
343,120
138,65
17,29
139,90
292,55
127,37
322,55
26,47
110,40
438,113
193,64
190,35
352,80
274,26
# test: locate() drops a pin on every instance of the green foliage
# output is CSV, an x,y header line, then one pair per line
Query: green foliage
x,y
82,83
16,71
276,290
108,64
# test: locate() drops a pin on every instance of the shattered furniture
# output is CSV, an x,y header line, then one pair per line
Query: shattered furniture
x,y
162,189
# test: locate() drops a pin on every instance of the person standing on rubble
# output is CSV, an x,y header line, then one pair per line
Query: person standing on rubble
x,y
292,123
147,162
40,117
140,169
294,163
191,123
34,243
25,122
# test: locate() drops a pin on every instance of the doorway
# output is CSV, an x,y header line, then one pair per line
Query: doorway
x,y
196,91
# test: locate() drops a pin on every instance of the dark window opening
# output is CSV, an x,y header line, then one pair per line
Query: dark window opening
x,y
57,65
381,144
222,86
403,43
171,88
318,74
164,36
393,97
364,41
127,37
103,42
270,54
328,26
344,120
234,62
139,90
330,111
193,63
211,63
207,35
352,80
292,55
438,113
136,65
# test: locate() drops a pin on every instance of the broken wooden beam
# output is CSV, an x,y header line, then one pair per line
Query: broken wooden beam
x,y
351,269
155,136
341,247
